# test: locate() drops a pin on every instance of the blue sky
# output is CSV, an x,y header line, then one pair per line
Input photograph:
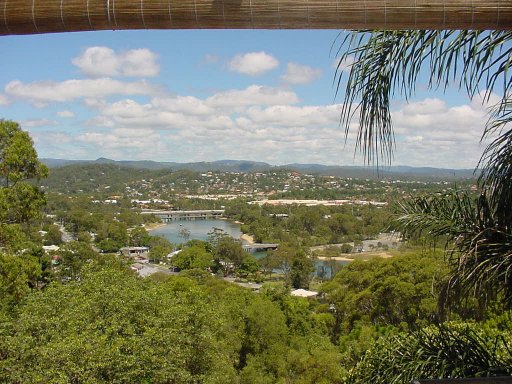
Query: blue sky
x,y
211,95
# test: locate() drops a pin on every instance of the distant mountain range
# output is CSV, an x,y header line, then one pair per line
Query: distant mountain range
x,y
403,172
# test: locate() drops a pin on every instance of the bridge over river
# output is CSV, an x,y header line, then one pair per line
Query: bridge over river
x,y
259,247
167,216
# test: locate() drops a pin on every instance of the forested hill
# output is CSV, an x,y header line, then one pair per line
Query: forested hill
x,y
87,177
403,172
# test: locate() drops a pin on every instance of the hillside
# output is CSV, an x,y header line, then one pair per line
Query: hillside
x,y
403,172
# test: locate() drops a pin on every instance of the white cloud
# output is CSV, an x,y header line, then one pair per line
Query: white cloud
x,y
121,138
290,116
126,109
438,119
424,107
263,123
50,91
253,63
343,65
50,138
252,95
125,143
4,100
258,122
66,114
300,74
32,123
185,104
160,114
430,132
104,62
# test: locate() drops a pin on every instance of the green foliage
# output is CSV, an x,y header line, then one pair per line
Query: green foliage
x,y
155,241
18,158
184,233
481,254
446,351
159,248
20,203
14,238
386,62
265,331
215,235
249,266
309,226
301,271
159,252
18,275
20,206
139,237
84,237
399,291
115,231
229,254
296,266
87,178
361,338
303,354
314,360
74,256
496,160
109,246
193,257
111,327
53,236
268,263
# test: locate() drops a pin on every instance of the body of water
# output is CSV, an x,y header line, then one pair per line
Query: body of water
x,y
199,229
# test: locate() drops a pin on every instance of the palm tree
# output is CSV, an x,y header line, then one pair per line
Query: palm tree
x,y
447,350
480,229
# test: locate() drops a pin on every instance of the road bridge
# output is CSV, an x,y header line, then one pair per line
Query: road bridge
x,y
167,216
259,247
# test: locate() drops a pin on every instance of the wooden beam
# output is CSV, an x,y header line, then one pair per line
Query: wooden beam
x,y
47,16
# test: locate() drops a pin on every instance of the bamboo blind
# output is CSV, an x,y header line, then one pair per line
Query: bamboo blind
x,y
44,16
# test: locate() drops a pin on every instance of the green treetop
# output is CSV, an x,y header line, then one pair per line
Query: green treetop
x,y
18,158
19,201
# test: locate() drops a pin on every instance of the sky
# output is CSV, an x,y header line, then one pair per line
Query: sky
x,y
210,95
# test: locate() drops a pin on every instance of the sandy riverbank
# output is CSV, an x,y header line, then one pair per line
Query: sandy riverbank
x,y
359,256
152,226
337,258
248,239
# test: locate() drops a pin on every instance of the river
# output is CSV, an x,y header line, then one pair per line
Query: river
x,y
198,229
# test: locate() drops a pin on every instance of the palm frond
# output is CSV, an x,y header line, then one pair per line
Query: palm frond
x,y
451,215
387,62
444,351
481,245
496,162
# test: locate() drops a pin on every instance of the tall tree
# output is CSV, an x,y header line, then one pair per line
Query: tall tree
x,y
18,158
20,204
20,201
229,254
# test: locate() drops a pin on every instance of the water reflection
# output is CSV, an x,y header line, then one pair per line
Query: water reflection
x,y
199,229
